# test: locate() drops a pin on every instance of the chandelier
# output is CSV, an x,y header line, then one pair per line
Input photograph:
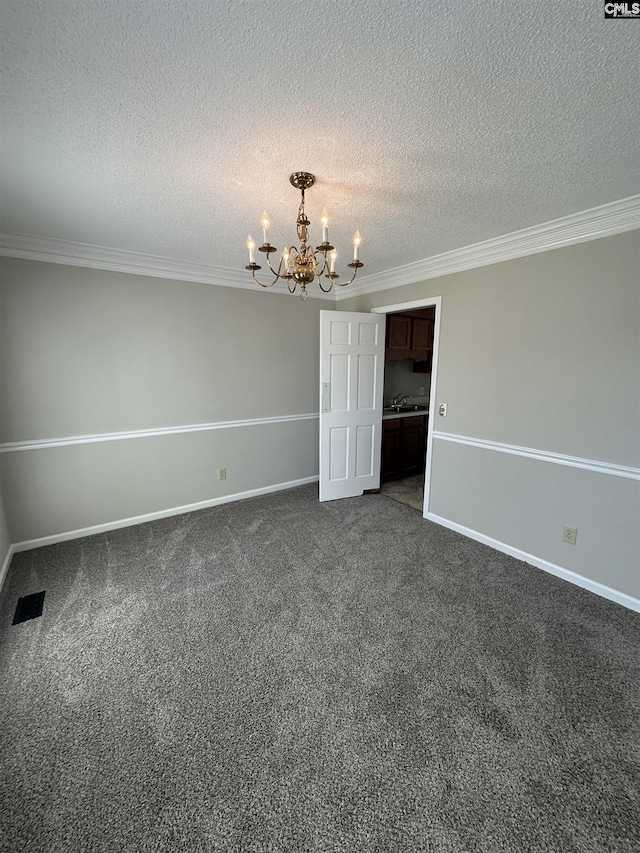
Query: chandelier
x,y
302,264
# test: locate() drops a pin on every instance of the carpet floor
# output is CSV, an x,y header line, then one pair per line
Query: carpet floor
x,y
283,675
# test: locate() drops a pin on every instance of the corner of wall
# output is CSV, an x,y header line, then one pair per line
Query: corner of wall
x,y
6,548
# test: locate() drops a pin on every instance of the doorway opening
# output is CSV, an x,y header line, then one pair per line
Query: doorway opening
x,y
411,359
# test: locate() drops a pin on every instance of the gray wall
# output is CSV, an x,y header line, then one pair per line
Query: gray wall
x,y
86,352
541,352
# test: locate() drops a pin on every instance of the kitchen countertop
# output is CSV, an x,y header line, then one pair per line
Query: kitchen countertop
x,y
388,414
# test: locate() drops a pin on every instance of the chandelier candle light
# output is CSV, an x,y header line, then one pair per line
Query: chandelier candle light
x,y
302,264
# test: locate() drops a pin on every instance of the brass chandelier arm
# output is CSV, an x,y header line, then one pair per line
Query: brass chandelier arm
x,y
277,274
323,254
345,283
278,271
321,269
356,266
257,281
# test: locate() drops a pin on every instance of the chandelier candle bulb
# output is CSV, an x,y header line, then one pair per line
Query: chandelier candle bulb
x,y
265,226
324,218
357,240
251,247
332,258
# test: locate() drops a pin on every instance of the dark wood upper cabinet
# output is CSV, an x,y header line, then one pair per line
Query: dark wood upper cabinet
x,y
422,336
409,337
399,333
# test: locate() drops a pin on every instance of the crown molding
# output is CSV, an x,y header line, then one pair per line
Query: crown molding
x,y
54,251
604,221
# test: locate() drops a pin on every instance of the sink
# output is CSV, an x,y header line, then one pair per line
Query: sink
x,y
407,408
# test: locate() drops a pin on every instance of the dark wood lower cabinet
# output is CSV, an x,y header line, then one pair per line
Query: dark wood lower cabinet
x,y
390,449
404,442
412,446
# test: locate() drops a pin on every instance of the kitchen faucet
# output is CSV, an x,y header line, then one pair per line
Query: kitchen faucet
x,y
400,399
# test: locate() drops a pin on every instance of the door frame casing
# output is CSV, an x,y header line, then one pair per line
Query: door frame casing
x,y
426,302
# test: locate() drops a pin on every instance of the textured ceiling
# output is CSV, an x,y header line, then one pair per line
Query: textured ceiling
x,y
167,127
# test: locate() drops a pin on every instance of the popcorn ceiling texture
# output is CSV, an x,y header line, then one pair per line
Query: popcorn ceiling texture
x,y
167,128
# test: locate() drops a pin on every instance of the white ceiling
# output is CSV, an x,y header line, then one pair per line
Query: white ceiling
x,y
167,126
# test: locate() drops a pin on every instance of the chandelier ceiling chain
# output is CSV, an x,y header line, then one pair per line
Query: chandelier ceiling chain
x,y
302,264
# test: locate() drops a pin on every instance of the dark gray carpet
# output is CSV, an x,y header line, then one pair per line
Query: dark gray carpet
x,y
284,675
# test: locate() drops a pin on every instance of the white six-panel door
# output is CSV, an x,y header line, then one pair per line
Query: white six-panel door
x,y
351,380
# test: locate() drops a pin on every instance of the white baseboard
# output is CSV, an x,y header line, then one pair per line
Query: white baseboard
x,y
578,580
29,544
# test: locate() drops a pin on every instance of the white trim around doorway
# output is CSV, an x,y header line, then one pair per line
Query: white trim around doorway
x,y
427,302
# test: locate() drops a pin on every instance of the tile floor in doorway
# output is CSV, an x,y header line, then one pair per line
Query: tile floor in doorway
x,y
409,491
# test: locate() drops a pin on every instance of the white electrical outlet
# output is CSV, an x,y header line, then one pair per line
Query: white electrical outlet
x,y
222,473
569,534
421,391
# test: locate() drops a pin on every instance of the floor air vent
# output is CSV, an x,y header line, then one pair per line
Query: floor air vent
x,y
28,607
